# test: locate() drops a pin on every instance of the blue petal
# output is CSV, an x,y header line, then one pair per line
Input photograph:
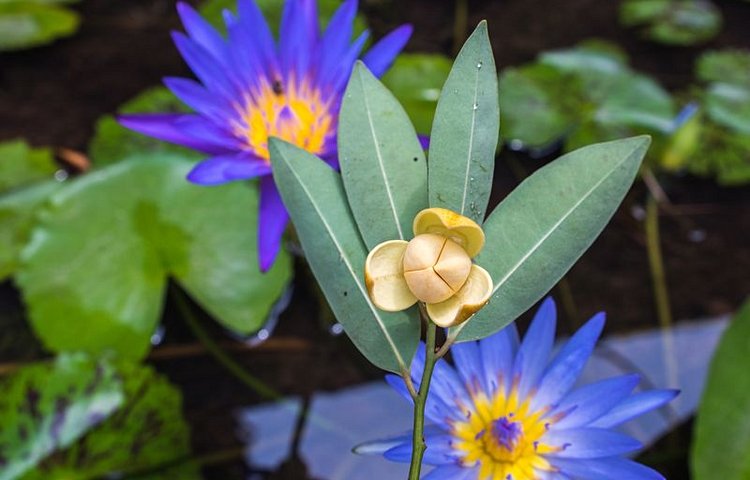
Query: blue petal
x,y
272,221
439,449
635,405
588,403
339,75
379,447
607,468
380,57
568,364
202,32
535,349
589,443
498,351
398,384
468,364
168,127
199,99
337,35
261,38
447,394
208,69
451,472
228,168
296,41
424,141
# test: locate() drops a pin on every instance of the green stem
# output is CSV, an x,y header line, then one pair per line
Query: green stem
x,y
461,17
418,443
214,349
659,283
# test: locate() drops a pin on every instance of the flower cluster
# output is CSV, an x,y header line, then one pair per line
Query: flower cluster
x,y
251,88
505,412
435,267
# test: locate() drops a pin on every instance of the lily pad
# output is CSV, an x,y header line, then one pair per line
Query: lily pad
x,y
46,407
22,165
415,79
29,23
673,22
95,272
146,433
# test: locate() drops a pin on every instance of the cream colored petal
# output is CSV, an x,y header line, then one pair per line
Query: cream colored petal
x,y
384,277
454,265
458,228
427,285
466,302
423,252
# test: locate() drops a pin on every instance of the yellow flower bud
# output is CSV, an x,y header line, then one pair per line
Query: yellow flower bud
x,y
435,267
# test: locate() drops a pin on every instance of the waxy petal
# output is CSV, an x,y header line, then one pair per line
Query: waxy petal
x,y
458,228
384,277
466,302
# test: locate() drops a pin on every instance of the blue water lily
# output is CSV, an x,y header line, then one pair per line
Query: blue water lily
x,y
251,87
505,411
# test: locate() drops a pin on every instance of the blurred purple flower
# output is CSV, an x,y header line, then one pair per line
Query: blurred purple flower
x,y
250,88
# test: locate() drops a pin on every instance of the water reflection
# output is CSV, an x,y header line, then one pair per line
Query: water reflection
x,y
339,421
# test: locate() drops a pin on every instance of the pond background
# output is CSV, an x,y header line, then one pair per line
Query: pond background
x,y
53,95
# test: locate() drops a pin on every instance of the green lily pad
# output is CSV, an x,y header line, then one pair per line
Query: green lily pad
x,y
722,153
94,274
112,142
22,165
415,79
673,22
727,66
722,427
26,24
147,432
46,407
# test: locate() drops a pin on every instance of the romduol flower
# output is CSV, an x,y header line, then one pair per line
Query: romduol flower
x,y
505,411
251,88
435,268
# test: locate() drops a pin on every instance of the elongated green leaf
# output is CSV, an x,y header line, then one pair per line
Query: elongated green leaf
x,y
382,163
536,234
465,131
47,407
94,273
722,429
314,195
29,24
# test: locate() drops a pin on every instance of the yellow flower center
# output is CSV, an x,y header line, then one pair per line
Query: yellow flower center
x,y
503,437
295,113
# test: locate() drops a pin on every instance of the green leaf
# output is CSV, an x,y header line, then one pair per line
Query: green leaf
x,y
539,231
21,165
415,79
673,22
727,66
722,153
729,105
17,211
113,142
722,428
314,195
382,163
94,273
47,407
148,431
26,24
540,104
465,130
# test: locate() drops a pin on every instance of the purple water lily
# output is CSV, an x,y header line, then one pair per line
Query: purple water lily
x,y
251,88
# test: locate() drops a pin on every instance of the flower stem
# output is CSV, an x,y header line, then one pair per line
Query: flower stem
x,y
222,357
418,443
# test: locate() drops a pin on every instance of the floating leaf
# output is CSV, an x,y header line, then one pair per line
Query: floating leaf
x,y
729,105
21,165
539,231
148,431
673,22
465,131
382,163
722,428
722,153
727,66
28,23
314,195
17,210
94,273
415,79
47,407
112,142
